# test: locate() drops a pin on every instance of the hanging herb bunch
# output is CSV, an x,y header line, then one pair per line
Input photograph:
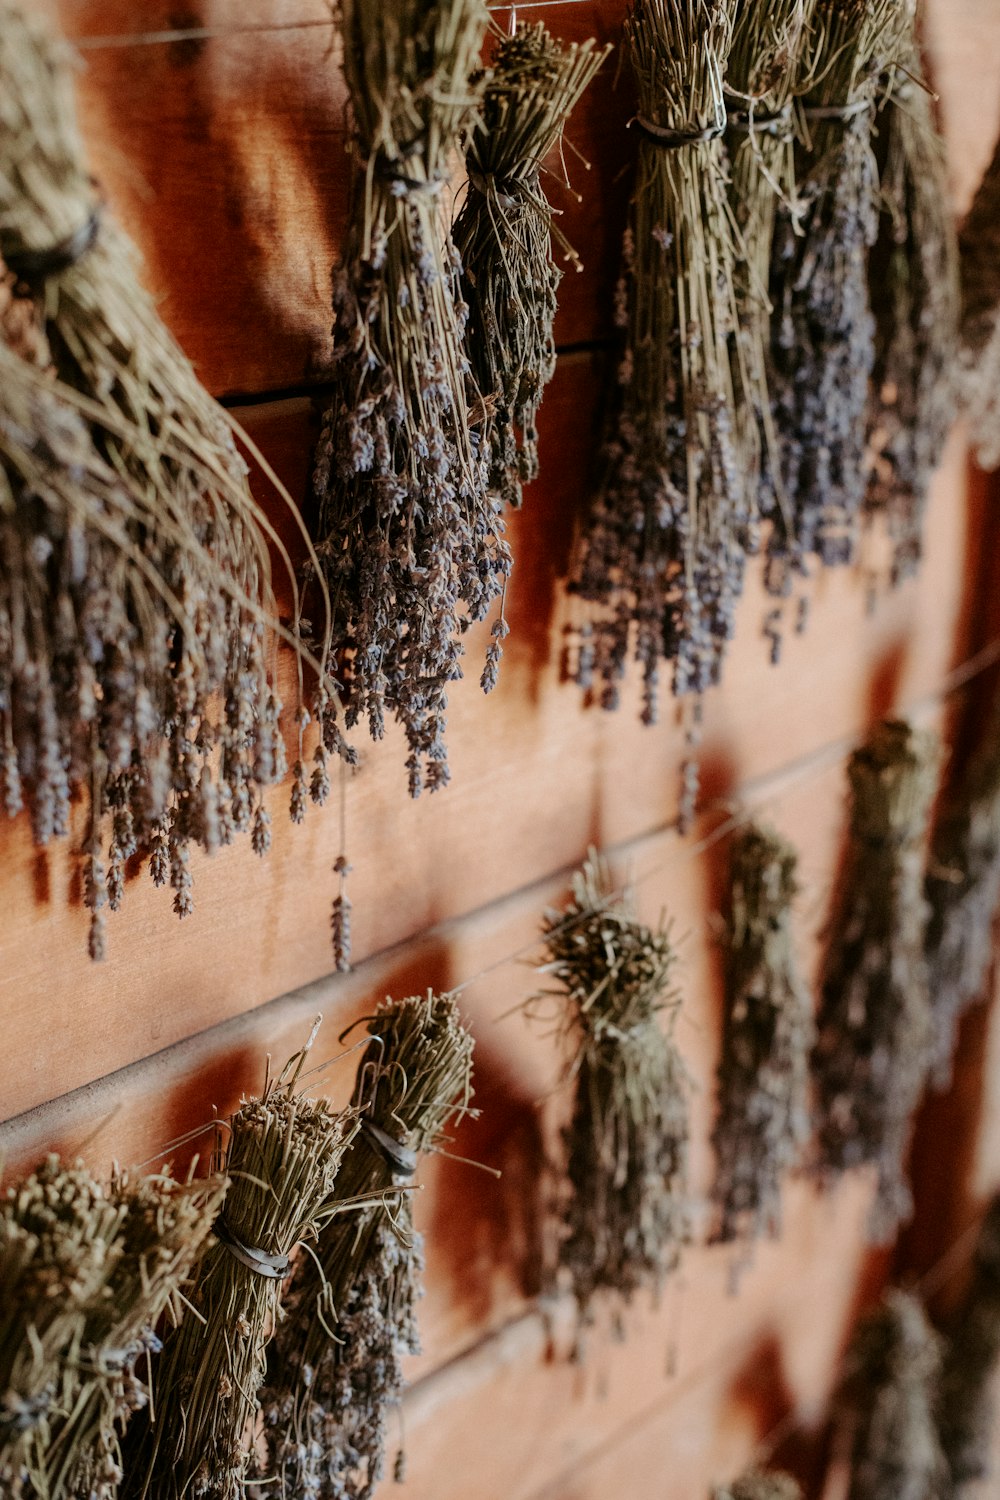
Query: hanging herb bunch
x,y
334,1369
282,1158
86,1273
759,1485
504,235
874,1028
662,553
137,620
409,536
823,342
963,889
966,1418
766,74
889,1400
626,1203
915,298
763,1119
979,271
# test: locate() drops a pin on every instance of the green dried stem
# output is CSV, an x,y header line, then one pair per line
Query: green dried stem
x,y
823,348
663,552
334,1369
979,270
626,1201
758,1485
888,1398
763,1119
874,1026
87,1273
967,1404
409,536
136,648
963,889
282,1159
915,299
504,235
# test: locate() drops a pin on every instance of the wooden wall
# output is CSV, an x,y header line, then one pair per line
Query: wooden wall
x,y
216,129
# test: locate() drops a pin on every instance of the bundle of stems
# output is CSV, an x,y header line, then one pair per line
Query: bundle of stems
x,y
874,1026
967,1406
663,552
136,644
888,1398
282,1158
760,1485
767,72
823,331
626,1212
915,300
505,234
87,1273
409,535
763,1118
979,332
963,889
334,1372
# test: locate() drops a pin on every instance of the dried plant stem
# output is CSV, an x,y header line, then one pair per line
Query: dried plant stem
x,y
504,235
823,343
874,1024
282,1159
967,1405
334,1371
979,267
662,554
626,1206
763,1117
409,537
889,1399
915,300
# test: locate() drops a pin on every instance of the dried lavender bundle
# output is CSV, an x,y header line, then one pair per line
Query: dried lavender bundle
x,y
823,347
758,1485
136,648
874,1025
334,1369
763,1117
504,235
915,301
86,1273
626,1202
967,1404
963,889
282,1159
409,536
663,551
979,333
889,1397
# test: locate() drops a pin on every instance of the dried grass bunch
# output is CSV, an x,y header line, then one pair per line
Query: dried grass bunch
x,y
505,232
626,1212
823,347
963,889
410,537
758,1485
874,1026
967,1405
662,553
137,620
767,1037
283,1156
979,362
915,299
334,1371
888,1398
86,1273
